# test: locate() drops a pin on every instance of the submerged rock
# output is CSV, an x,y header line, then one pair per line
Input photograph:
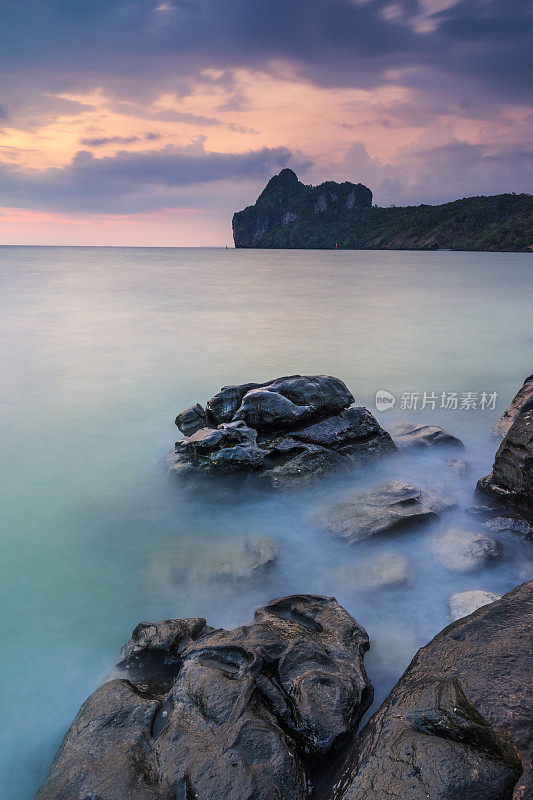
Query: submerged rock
x,y
509,525
239,715
464,603
458,466
391,506
461,550
457,725
410,435
287,431
374,572
511,480
242,561
522,397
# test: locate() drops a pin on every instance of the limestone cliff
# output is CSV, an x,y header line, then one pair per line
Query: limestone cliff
x,y
289,214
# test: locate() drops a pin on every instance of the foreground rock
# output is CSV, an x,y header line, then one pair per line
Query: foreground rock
x,y
462,551
511,479
457,725
464,603
287,431
523,397
410,435
392,506
210,714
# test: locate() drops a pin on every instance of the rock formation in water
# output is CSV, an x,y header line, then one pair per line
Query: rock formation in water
x,y
458,724
408,434
523,396
289,214
511,479
392,506
270,710
246,714
286,431
462,604
285,203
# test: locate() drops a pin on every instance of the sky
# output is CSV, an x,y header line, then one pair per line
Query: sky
x,y
151,122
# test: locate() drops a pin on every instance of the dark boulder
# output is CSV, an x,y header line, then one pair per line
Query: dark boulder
x,y
457,725
241,715
410,435
391,506
287,431
522,397
511,480
281,402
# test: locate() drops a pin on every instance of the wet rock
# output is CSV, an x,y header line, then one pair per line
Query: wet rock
x,y
522,397
408,434
246,715
457,725
392,506
374,572
462,551
191,420
464,603
511,480
458,466
305,465
509,525
296,397
288,431
346,428
154,653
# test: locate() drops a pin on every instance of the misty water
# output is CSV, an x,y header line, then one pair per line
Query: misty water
x,y
101,347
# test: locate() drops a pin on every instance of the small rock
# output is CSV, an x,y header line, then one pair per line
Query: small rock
x,y
458,466
241,562
464,603
462,551
191,420
392,506
305,466
509,524
375,572
410,435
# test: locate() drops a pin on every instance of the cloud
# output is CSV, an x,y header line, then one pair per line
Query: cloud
x,y
433,171
135,182
331,42
104,140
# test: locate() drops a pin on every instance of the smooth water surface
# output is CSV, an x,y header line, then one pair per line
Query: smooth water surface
x,y
101,347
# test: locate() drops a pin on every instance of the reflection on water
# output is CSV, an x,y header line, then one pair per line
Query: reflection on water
x,y
99,349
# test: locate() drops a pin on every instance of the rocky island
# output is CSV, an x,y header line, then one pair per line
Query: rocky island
x,y
289,214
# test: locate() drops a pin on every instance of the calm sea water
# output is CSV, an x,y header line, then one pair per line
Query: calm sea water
x,y
101,347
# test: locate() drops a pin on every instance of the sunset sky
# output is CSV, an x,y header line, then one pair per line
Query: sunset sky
x,y
151,122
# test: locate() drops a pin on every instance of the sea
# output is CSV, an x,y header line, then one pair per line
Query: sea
x,y
100,348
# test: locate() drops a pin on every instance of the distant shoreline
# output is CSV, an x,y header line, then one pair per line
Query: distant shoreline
x,y
290,215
